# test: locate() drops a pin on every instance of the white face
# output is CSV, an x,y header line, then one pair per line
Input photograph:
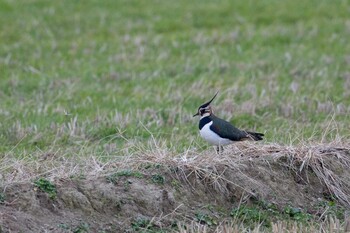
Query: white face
x,y
205,115
204,111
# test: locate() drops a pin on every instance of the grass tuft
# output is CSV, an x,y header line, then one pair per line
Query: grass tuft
x,y
47,187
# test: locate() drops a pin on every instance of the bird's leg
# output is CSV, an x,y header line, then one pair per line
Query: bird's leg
x,y
219,149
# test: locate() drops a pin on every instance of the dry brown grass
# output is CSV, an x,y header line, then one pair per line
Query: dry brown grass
x,y
241,169
327,161
330,225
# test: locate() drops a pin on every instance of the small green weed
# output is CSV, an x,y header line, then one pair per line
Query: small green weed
x,y
175,184
296,214
63,226
205,219
158,179
113,178
153,165
129,173
264,213
144,225
47,187
140,223
330,208
82,227
251,215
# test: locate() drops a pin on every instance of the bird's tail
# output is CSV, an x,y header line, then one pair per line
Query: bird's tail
x,y
255,136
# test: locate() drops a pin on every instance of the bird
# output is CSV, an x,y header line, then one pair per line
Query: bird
x,y
219,132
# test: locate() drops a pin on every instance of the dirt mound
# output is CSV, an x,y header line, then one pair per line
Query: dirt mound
x,y
159,191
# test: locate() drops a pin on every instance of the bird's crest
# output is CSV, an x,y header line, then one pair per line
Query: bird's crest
x,y
205,108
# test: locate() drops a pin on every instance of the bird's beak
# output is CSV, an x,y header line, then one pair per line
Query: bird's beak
x,y
196,114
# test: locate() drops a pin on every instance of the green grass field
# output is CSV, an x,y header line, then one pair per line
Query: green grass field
x,y
98,79
74,72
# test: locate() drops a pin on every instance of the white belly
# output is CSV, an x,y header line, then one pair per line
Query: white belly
x,y
212,137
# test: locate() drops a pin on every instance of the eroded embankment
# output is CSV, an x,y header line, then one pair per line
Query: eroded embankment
x,y
163,190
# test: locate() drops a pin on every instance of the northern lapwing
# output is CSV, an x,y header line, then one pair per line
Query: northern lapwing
x,y
219,132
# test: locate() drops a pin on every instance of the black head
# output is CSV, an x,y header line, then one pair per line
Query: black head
x,y
205,108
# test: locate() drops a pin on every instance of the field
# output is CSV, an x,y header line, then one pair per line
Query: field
x,y
97,98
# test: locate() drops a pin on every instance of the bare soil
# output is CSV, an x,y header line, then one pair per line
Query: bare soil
x,y
165,193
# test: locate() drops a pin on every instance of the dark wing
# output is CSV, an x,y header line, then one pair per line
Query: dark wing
x,y
226,130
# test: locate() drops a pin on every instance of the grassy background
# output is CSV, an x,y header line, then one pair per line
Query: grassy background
x,y
92,74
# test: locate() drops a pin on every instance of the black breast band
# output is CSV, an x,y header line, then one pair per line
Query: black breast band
x,y
204,121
